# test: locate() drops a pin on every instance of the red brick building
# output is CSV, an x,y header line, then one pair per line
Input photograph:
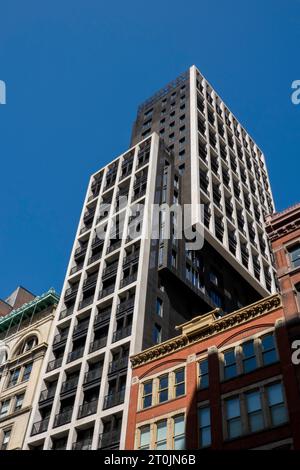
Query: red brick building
x,y
227,382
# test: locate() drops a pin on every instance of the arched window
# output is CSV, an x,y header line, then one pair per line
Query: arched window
x,y
28,344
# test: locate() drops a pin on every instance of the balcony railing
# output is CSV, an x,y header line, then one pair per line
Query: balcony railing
x,y
122,333
81,327
61,337
132,257
95,257
69,385
125,306
76,354
102,317
76,268
85,302
54,364
87,409
117,365
109,439
92,375
40,426
63,418
98,344
107,291
113,399
114,246
47,394
110,270
86,444
66,312
71,292
128,280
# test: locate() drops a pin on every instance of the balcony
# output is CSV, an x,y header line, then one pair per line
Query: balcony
x,y
47,394
215,167
86,302
103,317
126,306
71,293
88,216
66,312
122,333
40,426
85,228
80,251
69,385
98,344
139,194
61,338
90,281
52,365
76,354
117,365
92,376
114,246
86,444
107,291
113,399
63,418
219,229
128,280
94,258
76,268
97,242
110,270
232,244
109,440
87,409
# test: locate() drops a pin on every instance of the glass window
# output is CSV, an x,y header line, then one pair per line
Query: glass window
x,y
163,388
4,408
294,254
14,377
157,334
161,437
5,440
145,438
147,394
233,415
230,369
276,404
203,374
19,402
27,372
214,278
179,433
179,383
159,307
29,344
254,410
249,357
204,427
269,354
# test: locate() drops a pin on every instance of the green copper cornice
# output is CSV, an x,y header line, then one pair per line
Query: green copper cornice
x,y
36,305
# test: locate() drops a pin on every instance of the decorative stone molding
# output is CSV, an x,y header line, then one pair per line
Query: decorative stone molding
x,y
205,326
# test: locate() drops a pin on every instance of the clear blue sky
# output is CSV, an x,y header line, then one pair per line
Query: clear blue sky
x,y
75,72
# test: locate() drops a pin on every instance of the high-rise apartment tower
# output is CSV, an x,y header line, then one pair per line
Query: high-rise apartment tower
x,y
124,291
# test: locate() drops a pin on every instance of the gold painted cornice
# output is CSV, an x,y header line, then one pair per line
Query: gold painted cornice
x,y
207,325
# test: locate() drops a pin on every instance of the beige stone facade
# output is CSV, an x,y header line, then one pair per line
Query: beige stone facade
x,y
24,336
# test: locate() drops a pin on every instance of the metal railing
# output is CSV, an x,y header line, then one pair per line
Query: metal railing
x,y
113,399
40,426
63,418
87,409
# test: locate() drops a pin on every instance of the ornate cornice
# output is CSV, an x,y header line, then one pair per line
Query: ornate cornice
x,y
205,326
284,230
